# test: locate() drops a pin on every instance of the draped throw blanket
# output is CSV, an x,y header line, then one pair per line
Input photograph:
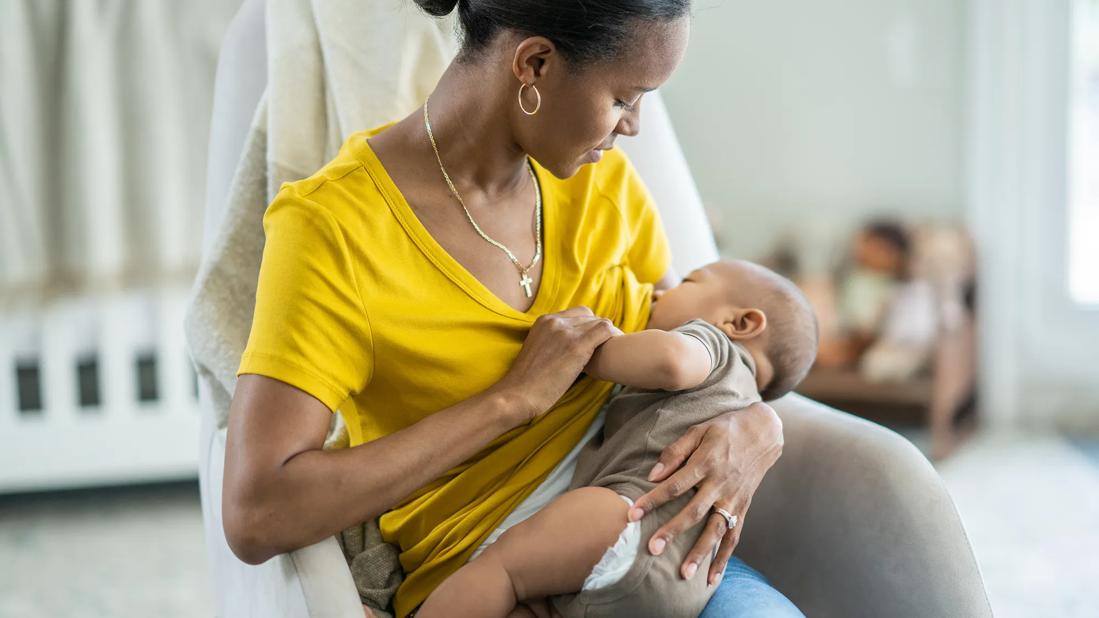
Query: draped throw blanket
x,y
334,66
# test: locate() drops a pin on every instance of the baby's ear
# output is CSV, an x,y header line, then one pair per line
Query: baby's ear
x,y
747,323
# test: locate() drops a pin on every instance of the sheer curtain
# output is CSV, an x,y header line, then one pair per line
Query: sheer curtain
x,y
104,119
1038,358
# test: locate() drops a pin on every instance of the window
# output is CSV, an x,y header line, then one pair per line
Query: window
x,y
1083,219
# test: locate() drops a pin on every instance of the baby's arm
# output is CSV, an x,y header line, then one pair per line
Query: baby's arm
x,y
552,552
652,359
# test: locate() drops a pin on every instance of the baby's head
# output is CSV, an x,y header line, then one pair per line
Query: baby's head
x,y
756,307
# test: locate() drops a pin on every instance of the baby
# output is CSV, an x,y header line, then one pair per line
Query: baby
x,y
732,333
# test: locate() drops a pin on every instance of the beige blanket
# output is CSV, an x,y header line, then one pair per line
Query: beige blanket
x,y
334,66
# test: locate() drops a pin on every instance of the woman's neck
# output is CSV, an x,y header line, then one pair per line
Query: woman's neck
x,y
473,133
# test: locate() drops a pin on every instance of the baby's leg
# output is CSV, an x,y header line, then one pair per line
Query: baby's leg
x,y
550,553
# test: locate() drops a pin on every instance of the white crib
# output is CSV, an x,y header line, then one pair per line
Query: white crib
x,y
97,390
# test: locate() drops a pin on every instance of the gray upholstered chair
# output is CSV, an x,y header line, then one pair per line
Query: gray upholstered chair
x,y
852,521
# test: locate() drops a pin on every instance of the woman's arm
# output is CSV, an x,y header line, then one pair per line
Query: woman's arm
x,y
282,491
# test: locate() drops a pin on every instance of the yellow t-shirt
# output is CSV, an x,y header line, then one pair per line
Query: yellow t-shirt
x,y
359,306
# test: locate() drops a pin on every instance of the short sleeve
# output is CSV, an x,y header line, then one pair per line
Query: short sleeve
x,y
649,255
310,328
733,366
715,341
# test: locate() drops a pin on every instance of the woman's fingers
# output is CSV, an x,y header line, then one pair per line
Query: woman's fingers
x,y
698,471
674,481
554,353
678,484
724,552
726,457
676,453
728,543
600,330
695,511
706,545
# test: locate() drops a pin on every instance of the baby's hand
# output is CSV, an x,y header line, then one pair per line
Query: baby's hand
x,y
367,612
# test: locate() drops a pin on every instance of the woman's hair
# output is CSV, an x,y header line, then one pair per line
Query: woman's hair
x,y
583,30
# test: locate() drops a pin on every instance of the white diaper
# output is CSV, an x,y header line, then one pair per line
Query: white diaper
x,y
556,484
618,558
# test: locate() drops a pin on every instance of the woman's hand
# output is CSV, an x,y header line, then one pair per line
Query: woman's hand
x,y
556,350
726,459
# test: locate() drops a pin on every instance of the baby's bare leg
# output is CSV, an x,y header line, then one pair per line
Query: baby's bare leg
x,y
550,553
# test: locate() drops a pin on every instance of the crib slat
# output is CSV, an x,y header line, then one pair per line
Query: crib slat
x,y
8,402
117,346
57,392
175,369
67,334
22,345
126,441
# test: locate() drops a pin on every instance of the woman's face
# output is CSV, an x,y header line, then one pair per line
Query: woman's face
x,y
585,109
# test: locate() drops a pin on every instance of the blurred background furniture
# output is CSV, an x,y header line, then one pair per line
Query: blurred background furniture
x,y
916,360
96,261
808,529
103,380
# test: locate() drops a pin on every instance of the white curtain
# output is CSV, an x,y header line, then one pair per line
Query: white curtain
x,y
1038,352
104,116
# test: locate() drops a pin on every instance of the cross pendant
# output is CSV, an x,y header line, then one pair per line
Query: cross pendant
x,y
525,281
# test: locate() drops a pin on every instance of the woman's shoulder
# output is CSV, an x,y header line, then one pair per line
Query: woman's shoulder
x,y
343,188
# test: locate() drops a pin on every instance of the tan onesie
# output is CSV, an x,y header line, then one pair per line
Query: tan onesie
x,y
639,424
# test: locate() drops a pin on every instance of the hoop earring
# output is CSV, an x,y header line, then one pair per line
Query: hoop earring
x,y
537,105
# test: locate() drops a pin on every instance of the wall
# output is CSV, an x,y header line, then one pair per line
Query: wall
x,y
811,115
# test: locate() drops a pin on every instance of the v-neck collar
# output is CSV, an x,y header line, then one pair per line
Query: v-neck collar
x,y
452,268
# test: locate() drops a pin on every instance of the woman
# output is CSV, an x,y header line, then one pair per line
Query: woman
x,y
442,284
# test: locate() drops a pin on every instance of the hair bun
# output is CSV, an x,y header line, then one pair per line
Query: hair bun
x,y
438,8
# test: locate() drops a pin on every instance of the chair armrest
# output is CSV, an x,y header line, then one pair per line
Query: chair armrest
x,y
326,580
308,583
854,521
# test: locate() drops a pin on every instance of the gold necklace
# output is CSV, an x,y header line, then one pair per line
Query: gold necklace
x,y
524,278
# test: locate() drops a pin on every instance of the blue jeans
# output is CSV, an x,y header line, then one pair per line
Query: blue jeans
x,y
745,593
